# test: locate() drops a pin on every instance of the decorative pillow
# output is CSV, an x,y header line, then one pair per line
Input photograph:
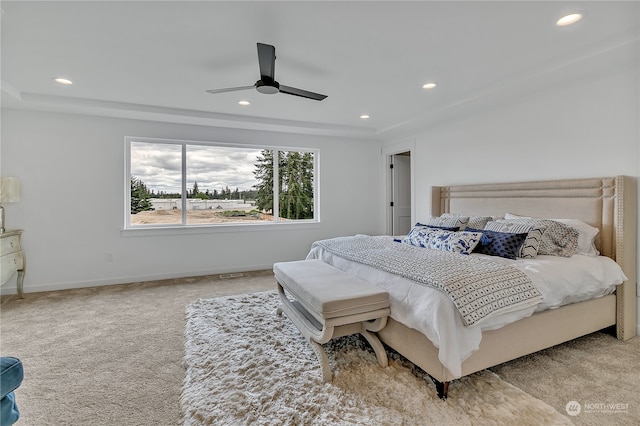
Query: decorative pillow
x,y
586,233
475,222
586,236
509,216
503,244
417,233
438,239
448,222
558,240
529,249
445,228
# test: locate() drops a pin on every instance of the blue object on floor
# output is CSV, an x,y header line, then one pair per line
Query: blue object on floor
x,y
11,375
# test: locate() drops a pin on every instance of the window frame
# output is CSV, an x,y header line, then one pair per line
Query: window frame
x,y
185,228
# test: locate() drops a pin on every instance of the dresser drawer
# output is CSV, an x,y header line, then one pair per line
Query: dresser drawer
x,y
9,244
10,263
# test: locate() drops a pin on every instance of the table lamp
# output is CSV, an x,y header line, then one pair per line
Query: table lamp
x,y
9,193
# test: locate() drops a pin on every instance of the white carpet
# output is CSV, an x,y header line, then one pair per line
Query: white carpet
x,y
245,365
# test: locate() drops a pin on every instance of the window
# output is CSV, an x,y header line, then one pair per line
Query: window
x,y
184,183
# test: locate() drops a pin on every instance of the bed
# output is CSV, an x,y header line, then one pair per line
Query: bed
x,y
608,204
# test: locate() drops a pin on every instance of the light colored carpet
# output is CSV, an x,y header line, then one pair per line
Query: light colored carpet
x,y
247,366
113,355
107,356
598,371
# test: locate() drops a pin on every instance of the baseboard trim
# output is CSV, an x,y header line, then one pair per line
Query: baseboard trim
x,y
6,291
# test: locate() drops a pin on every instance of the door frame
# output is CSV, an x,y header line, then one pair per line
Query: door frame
x,y
387,153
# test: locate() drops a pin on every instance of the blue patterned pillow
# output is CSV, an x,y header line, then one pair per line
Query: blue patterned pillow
x,y
503,244
438,239
529,249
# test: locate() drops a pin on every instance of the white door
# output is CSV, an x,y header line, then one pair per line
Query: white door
x,y
400,194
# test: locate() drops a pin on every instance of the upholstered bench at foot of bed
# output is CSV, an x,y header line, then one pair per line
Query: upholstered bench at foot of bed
x,y
327,303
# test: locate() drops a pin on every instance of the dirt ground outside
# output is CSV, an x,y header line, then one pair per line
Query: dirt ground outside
x,y
163,217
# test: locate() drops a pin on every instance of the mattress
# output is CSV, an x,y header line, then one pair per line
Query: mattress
x,y
560,280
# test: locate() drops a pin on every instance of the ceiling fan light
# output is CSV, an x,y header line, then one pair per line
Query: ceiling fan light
x,y
61,80
569,19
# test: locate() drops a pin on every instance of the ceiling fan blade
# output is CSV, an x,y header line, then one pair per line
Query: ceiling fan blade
x,y
302,93
231,89
267,62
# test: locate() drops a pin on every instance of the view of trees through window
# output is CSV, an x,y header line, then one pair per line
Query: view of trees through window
x,y
180,183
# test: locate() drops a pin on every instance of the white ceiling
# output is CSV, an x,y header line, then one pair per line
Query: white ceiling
x,y
155,59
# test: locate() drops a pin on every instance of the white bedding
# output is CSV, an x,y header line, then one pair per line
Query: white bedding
x,y
560,280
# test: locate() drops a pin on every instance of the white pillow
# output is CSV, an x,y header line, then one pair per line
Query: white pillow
x,y
586,233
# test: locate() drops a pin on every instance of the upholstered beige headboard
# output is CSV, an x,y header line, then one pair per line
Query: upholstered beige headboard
x,y
607,203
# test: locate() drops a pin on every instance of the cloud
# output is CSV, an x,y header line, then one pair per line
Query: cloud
x,y
159,166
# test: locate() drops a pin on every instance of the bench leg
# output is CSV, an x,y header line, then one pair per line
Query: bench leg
x,y
298,320
375,343
324,361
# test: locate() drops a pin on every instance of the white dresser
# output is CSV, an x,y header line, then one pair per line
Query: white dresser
x,y
12,258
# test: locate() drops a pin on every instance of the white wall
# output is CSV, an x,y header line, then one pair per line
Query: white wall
x,y
62,157
589,127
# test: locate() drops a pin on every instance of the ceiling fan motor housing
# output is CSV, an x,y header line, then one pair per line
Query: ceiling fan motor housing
x,y
268,88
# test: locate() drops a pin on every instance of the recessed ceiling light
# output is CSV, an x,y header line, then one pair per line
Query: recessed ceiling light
x,y
429,85
61,80
244,103
569,19
365,116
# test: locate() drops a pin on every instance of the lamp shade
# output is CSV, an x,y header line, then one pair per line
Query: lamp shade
x,y
9,190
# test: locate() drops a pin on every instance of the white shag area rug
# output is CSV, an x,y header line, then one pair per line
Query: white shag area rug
x,y
245,365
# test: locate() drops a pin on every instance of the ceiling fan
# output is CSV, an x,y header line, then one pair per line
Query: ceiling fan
x,y
267,83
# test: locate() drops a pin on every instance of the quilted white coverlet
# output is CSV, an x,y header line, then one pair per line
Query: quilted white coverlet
x,y
561,280
478,287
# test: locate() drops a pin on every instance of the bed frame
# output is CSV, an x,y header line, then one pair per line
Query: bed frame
x,y
606,203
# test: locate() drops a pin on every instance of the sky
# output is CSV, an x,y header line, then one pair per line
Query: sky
x,y
158,165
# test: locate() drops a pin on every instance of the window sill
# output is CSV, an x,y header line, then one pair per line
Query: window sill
x,y
152,231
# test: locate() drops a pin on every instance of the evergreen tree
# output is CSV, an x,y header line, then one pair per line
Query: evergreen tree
x,y
307,184
139,196
248,195
264,176
290,188
295,183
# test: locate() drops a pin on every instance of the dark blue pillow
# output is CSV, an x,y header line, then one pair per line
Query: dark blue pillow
x,y
503,244
444,228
